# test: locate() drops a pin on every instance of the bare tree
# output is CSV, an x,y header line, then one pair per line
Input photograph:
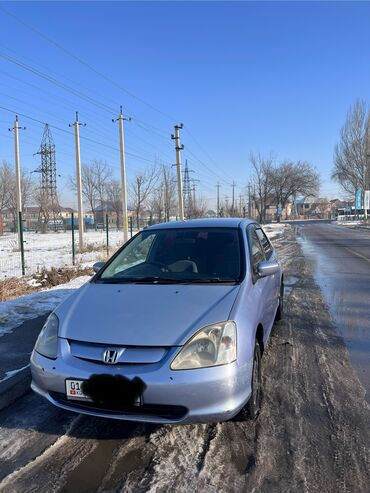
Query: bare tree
x,y
141,188
103,173
157,203
89,189
351,164
8,194
169,184
42,201
197,208
113,190
94,177
262,182
6,184
291,179
163,201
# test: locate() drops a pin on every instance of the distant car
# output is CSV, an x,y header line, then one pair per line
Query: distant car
x,y
170,330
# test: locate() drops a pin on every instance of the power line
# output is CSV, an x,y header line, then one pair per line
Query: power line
x,y
204,150
106,78
208,168
71,133
54,81
98,104
90,67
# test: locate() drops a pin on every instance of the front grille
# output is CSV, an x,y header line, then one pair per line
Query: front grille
x,y
91,351
148,410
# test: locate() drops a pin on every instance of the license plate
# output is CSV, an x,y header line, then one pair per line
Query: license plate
x,y
74,391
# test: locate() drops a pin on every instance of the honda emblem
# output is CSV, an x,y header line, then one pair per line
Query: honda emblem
x,y
110,356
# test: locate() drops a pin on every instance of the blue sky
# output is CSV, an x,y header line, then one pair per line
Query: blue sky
x,y
241,76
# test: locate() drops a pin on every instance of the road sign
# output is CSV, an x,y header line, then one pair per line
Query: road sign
x,y
367,200
358,199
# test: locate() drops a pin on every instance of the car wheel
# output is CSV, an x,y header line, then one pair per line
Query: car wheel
x,y
254,403
280,311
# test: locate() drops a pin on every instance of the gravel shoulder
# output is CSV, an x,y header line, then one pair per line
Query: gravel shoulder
x,y
312,434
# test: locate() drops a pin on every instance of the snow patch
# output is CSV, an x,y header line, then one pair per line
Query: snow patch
x,y
14,312
274,230
10,373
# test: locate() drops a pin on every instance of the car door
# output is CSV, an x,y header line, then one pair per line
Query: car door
x,y
273,282
260,285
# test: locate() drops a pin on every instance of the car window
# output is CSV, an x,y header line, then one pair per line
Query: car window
x,y
136,253
266,245
257,253
178,254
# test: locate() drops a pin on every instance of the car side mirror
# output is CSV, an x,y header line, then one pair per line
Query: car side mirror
x,y
267,268
97,266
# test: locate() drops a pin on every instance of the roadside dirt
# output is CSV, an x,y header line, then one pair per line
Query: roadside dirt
x,y
312,435
14,287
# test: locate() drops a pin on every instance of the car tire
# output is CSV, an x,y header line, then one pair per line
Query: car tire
x,y
280,311
254,404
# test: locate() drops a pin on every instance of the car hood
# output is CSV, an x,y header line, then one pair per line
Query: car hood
x,y
143,315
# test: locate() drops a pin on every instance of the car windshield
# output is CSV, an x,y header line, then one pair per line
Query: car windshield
x,y
188,255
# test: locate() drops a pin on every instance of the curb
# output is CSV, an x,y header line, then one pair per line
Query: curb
x,y
14,387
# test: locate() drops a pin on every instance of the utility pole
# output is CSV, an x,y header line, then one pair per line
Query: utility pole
x,y
178,148
18,187
218,198
120,120
76,126
233,198
249,201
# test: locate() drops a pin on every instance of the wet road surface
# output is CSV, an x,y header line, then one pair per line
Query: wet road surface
x,y
312,434
341,266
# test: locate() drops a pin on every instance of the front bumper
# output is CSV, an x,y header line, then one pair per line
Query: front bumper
x,y
183,396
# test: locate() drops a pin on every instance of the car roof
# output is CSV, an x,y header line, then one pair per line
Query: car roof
x,y
215,222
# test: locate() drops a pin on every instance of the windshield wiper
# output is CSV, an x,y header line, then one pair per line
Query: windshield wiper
x,y
143,280
210,280
164,280
155,279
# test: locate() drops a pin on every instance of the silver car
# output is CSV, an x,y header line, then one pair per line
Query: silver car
x,y
170,330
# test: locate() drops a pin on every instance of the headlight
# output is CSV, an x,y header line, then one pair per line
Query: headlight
x,y
212,346
47,341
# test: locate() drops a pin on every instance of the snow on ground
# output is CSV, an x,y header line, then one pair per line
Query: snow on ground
x,y
351,224
11,373
274,230
14,312
52,250
348,223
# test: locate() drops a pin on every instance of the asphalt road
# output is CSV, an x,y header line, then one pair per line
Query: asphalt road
x,y
340,258
312,433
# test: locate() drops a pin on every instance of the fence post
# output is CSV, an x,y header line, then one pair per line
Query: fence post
x,y
20,222
130,226
107,233
73,237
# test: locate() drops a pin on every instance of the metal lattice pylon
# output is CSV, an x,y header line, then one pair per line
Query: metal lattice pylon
x,y
186,190
48,199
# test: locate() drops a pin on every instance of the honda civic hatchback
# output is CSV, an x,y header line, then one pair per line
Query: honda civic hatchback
x,y
171,329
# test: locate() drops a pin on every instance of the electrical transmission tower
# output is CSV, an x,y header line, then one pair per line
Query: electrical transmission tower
x,y
186,190
48,199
